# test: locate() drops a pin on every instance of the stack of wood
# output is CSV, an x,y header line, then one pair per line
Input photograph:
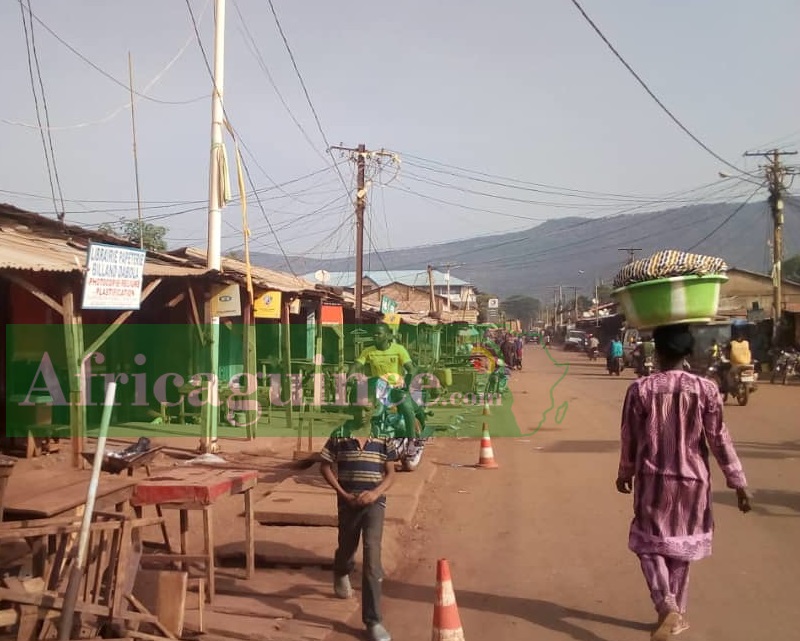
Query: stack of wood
x,y
33,587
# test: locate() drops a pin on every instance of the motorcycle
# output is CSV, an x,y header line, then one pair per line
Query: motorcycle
x,y
646,367
738,381
387,422
592,353
786,366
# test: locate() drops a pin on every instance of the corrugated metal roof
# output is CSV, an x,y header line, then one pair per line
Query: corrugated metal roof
x,y
411,277
263,278
30,242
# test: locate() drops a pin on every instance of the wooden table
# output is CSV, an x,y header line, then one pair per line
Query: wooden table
x,y
36,494
194,488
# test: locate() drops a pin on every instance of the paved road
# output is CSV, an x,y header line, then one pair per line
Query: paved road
x,y
538,548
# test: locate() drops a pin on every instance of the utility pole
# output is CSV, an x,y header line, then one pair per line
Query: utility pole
x,y
430,282
215,204
360,154
775,172
135,155
631,252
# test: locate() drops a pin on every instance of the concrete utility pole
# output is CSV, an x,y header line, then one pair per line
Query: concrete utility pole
x,y
775,172
631,252
215,204
360,154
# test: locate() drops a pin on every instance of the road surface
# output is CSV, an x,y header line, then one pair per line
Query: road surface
x,y
538,547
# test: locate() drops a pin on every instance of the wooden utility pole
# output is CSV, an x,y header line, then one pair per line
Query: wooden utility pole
x,y
631,252
361,204
775,172
360,155
433,294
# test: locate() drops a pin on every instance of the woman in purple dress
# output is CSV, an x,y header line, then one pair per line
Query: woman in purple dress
x,y
670,422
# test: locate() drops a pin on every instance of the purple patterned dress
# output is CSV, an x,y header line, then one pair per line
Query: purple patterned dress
x,y
670,421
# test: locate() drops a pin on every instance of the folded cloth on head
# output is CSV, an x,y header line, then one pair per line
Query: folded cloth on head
x,y
666,264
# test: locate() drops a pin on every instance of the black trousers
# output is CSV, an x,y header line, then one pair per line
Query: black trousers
x,y
353,523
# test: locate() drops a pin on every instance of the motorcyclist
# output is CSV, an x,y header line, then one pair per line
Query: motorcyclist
x,y
392,362
737,353
645,350
594,343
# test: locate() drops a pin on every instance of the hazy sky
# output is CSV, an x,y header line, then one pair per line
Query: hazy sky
x,y
520,89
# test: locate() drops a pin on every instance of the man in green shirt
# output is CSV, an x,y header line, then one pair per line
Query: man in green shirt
x,y
391,362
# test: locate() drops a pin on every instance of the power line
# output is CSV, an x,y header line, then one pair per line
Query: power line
x,y
260,59
726,220
305,90
46,118
653,95
38,114
102,71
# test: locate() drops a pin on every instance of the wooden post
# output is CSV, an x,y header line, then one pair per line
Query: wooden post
x,y
73,340
287,362
250,365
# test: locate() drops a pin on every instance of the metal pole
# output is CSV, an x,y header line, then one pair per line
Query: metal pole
x,y
214,250
76,572
361,199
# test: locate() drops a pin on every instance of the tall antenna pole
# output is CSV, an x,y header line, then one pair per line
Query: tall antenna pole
x,y
215,204
135,155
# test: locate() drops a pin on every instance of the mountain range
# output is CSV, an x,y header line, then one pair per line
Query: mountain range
x,y
575,251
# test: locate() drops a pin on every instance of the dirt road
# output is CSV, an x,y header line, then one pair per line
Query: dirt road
x,y
538,548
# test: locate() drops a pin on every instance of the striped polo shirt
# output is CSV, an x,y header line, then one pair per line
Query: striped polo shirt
x,y
359,470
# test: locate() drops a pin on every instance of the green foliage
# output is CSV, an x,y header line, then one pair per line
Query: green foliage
x,y
790,268
152,235
523,308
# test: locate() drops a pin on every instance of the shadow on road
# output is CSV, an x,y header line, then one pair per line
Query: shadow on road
x,y
763,499
543,613
593,447
784,450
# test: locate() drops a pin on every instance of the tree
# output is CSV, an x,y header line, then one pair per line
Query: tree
x,y
152,235
790,268
584,303
604,294
523,308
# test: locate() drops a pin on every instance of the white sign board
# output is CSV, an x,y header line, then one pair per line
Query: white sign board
x,y
113,277
494,303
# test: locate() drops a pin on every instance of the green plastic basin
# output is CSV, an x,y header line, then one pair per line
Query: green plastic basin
x,y
669,301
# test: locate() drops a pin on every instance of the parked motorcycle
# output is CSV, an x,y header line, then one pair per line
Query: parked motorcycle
x,y
387,422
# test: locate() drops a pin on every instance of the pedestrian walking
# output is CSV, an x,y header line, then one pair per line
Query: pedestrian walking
x,y
365,470
670,421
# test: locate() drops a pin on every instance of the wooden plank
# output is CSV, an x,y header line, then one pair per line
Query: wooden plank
x,y
141,608
39,495
51,601
8,617
73,338
163,592
35,291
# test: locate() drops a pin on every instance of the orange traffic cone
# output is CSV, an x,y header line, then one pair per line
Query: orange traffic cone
x,y
486,458
446,622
